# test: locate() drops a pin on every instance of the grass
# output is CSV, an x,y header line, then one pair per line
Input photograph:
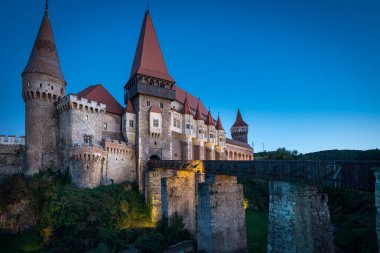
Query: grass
x,y
257,231
27,242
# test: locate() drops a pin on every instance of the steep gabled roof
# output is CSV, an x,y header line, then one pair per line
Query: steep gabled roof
x,y
239,122
99,94
219,125
44,57
186,108
209,120
155,109
129,107
148,56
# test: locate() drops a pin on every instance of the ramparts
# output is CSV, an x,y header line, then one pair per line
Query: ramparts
x,y
12,159
74,102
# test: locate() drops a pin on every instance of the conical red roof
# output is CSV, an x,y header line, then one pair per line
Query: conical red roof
x,y
209,119
129,107
99,94
148,56
186,108
198,114
44,57
239,122
155,109
219,125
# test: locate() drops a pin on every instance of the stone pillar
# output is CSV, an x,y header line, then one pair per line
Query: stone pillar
x,y
186,150
221,216
377,204
299,220
172,191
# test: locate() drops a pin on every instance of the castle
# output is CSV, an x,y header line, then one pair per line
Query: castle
x,y
98,140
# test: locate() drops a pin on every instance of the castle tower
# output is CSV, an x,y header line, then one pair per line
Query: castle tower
x,y
42,86
129,123
239,130
211,137
220,140
151,91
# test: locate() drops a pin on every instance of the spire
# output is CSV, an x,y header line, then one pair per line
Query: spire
x,y
239,122
198,114
44,57
129,107
209,119
186,107
148,56
219,125
46,4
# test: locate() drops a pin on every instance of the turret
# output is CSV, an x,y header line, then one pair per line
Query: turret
x,y
239,130
220,133
42,86
129,124
187,118
201,127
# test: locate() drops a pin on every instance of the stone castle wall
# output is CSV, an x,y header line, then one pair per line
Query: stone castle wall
x,y
121,162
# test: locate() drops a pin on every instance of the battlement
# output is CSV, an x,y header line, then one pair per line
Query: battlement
x,y
41,95
118,147
87,153
12,140
73,102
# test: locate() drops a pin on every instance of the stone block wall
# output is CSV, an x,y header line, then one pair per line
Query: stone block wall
x,y
221,215
12,158
87,165
120,163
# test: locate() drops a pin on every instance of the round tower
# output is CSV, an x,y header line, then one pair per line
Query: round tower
x,y
42,86
239,130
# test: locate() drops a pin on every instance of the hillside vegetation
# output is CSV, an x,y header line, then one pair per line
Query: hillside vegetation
x,y
63,218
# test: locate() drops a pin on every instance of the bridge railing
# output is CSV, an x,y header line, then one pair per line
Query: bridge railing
x,y
334,174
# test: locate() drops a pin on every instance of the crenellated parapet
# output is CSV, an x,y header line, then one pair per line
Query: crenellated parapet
x,y
73,102
118,147
87,153
12,140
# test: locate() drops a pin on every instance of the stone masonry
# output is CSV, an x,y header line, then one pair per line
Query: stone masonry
x,y
299,219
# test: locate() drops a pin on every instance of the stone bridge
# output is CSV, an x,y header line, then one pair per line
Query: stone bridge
x,y
206,194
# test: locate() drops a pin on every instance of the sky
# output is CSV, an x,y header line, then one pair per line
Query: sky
x,y
304,73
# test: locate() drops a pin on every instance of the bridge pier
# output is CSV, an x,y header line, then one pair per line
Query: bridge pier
x,y
220,215
377,203
172,191
299,219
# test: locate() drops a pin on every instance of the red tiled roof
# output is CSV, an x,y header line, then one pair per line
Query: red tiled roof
x,y
99,94
219,125
186,108
238,143
239,122
130,107
180,96
155,109
148,56
209,120
44,57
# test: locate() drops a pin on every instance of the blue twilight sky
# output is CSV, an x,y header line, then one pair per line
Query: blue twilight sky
x,y
304,73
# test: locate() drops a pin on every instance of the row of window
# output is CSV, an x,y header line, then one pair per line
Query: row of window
x,y
148,104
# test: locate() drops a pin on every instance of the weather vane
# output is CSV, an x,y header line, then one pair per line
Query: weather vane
x,y
47,4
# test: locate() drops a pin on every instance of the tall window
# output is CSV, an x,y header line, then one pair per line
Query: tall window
x,y
147,103
155,123
161,105
105,126
131,123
